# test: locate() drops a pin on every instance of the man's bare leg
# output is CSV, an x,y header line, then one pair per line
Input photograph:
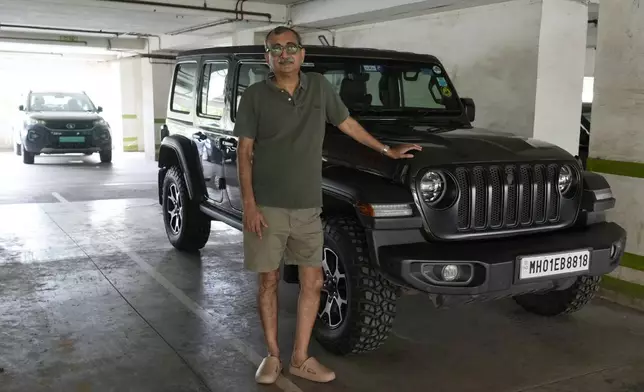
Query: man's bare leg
x,y
267,302
311,281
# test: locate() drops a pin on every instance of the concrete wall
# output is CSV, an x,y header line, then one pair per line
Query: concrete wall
x,y
490,52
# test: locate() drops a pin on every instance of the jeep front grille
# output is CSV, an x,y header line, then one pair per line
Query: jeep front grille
x,y
507,196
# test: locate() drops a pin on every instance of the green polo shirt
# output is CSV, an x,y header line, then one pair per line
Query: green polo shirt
x,y
288,133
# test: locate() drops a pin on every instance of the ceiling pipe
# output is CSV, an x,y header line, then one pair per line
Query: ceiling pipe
x,y
37,40
202,27
191,7
42,28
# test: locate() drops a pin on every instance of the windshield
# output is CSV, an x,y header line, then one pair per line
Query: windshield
x,y
371,87
390,87
58,102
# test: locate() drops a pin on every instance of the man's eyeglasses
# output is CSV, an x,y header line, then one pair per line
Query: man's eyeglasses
x,y
277,50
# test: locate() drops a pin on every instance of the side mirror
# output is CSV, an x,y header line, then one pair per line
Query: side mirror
x,y
99,109
21,108
470,108
165,132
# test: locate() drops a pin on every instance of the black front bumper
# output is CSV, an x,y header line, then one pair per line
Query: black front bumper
x,y
495,263
51,142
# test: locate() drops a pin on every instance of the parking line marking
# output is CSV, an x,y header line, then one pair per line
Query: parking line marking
x,y
128,183
59,197
248,352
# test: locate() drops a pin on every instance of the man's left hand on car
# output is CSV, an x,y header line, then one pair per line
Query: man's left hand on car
x,y
352,128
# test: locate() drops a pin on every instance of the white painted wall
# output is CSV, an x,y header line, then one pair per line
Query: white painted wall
x,y
490,52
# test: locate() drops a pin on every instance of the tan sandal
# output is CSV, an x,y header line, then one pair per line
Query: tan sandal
x,y
313,370
269,370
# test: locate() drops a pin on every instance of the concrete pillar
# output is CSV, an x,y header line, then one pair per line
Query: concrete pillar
x,y
617,141
131,104
522,60
145,87
156,79
560,72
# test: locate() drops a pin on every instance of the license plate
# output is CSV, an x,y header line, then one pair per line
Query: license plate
x,y
72,139
554,264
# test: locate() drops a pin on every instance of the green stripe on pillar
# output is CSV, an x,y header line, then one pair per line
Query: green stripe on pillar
x,y
619,286
130,116
159,120
633,261
130,144
619,168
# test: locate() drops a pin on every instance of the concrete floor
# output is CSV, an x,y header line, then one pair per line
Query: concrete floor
x,y
93,298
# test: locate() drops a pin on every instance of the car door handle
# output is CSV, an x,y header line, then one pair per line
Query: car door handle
x,y
228,143
200,136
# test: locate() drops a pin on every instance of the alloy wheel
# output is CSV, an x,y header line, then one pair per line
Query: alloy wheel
x,y
175,209
334,299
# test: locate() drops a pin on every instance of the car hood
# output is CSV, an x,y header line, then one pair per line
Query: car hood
x,y
460,146
70,116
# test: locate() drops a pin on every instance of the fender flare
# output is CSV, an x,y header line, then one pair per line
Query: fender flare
x,y
597,194
181,151
345,189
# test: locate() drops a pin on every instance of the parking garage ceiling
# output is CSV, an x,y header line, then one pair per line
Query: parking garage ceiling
x,y
157,17
182,23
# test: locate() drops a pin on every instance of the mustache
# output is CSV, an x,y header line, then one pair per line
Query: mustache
x,y
288,60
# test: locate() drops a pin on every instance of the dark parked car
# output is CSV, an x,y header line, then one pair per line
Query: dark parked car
x,y
477,215
61,123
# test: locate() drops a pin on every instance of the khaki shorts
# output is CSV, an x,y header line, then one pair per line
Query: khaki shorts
x,y
293,235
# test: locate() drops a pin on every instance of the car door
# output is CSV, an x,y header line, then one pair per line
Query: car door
x,y
247,74
210,133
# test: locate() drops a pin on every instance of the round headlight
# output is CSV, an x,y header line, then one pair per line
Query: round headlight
x,y
565,179
432,186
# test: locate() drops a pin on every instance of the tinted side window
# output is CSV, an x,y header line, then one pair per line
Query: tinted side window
x,y
183,89
213,89
250,74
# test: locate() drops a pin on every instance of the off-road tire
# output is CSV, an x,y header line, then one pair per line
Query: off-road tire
x,y
555,303
371,299
195,226
28,158
106,156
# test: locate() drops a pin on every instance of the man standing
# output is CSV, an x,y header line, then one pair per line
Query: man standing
x,y
281,124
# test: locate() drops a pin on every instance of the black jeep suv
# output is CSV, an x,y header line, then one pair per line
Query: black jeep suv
x,y
61,123
477,215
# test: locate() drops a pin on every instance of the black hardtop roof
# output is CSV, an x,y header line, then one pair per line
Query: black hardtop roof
x,y
315,50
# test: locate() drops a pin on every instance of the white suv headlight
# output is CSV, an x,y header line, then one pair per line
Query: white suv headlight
x,y
33,121
101,123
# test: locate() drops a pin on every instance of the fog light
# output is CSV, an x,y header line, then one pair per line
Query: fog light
x,y
615,249
449,273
